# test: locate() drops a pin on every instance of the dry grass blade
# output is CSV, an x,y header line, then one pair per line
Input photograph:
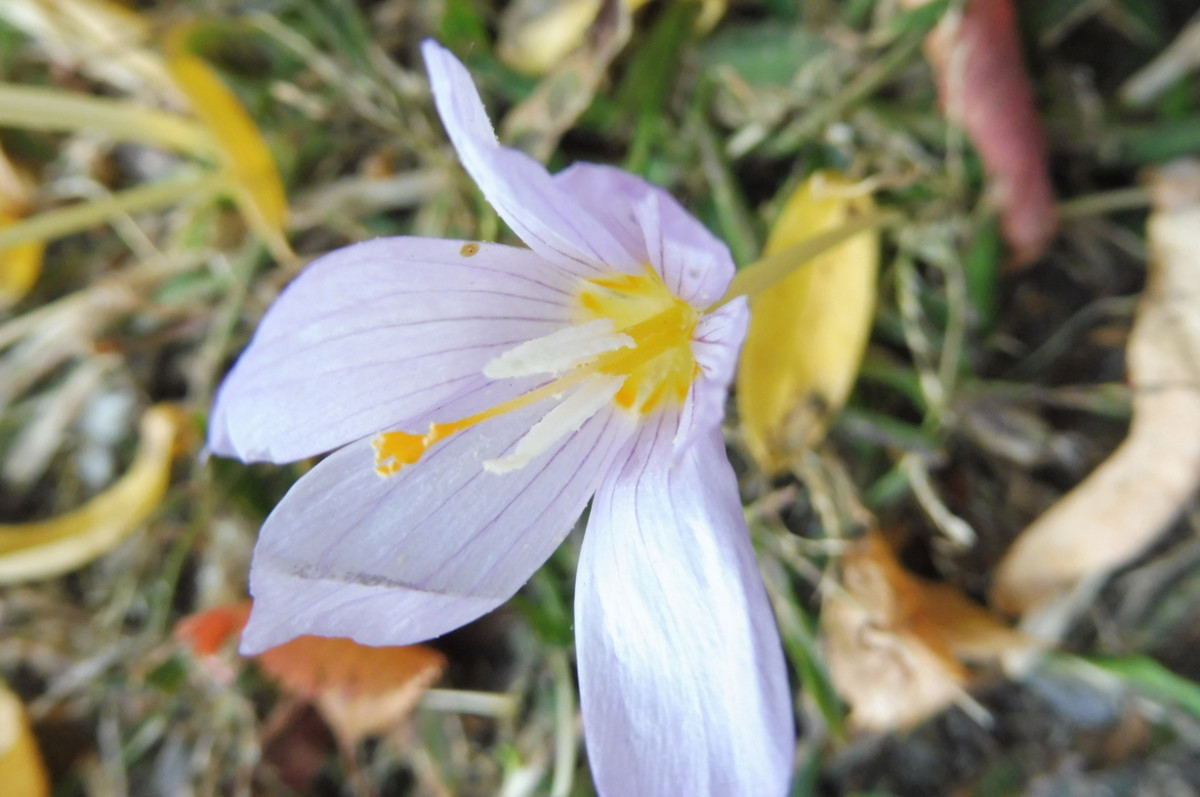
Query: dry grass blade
x,y
253,178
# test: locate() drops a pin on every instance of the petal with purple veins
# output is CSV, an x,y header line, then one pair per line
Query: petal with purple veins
x,y
681,675
399,559
695,264
547,218
390,333
716,347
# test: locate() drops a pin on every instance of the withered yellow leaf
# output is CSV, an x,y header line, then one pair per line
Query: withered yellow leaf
x,y
22,773
20,265
1126,503
52,547
808,332
254,180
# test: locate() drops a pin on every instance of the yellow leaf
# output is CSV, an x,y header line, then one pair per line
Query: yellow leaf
x,y
51,547
535,35
1124,505
19,265
22,773
808,332
254,180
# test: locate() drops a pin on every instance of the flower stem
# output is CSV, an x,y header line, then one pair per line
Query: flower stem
x,y
80,216
762,274
50,109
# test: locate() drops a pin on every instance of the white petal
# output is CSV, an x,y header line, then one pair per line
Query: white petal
x,y
694,263
717,344
399,559
546,218
384,334
681,674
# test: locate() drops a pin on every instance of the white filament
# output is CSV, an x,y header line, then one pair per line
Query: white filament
x,y
559,351
563,420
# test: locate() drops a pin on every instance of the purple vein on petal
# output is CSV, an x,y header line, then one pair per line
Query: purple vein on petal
x,y
576,473
383,365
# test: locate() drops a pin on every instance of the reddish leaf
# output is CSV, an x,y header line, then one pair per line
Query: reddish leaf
x,y
985,89
205,632
359,690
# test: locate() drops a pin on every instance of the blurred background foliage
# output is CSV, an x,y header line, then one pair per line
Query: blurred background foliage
x,y
166,168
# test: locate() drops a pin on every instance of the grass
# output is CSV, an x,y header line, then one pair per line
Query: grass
x,y
155,278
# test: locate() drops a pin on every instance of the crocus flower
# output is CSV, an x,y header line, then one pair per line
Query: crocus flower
x,y
475,397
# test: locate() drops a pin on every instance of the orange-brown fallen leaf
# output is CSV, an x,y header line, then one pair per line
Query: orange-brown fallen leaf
x,y
360,691
1127,502
984,88
899,646
205,632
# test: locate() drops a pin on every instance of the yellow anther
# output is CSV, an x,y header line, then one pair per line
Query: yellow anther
x,y
662,325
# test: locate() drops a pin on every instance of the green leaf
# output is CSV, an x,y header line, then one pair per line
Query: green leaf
x,y
1153,680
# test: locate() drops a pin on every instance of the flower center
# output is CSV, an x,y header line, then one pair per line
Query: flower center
x,y
660,324
632,345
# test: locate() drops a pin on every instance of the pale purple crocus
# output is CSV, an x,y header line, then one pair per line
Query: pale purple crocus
x,y
476,397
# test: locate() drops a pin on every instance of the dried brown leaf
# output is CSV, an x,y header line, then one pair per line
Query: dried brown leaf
x,y
899,646
1127,502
